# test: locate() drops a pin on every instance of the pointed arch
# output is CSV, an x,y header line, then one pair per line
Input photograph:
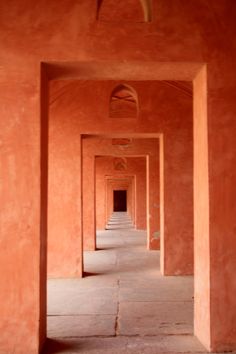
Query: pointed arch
x,y
120,163
123,102
124,10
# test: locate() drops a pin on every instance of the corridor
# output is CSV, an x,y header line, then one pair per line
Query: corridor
x,y
123,304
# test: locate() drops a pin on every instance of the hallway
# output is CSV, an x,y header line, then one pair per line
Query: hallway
x,y
123,305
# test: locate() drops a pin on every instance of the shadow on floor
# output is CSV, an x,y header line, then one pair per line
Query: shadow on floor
x,y
53,346
90,274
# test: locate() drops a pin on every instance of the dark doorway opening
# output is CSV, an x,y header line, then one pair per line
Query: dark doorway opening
x,y
120,200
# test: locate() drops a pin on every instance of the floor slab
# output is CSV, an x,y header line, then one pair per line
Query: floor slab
x,y
151,318
81,326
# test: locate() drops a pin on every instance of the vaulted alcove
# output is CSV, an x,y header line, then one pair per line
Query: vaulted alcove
x,y
123,102
120,164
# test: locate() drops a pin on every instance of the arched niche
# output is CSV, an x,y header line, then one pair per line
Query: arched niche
x,y
120,164
123,102
124,10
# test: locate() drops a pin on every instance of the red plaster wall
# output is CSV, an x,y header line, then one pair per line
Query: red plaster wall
x,y
64,211
201,201
20,216
178,206
184,33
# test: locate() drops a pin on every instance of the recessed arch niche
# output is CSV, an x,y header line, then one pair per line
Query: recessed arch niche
x,y
123,102
124,10
120,164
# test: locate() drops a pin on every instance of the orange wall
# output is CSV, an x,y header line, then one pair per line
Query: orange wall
x,y
201,202
64,248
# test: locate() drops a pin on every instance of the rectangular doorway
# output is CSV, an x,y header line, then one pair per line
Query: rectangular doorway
x,y
120,200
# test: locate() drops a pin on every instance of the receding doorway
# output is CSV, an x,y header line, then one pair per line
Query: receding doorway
x,y
120,200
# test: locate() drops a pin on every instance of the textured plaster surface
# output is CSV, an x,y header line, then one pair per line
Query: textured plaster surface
x,y
181,37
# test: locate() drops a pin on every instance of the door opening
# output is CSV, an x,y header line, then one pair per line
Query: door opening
x,y
120,200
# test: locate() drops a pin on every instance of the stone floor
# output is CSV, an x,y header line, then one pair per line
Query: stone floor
x,y
123,305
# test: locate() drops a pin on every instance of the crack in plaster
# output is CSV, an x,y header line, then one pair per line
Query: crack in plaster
x,y
118,308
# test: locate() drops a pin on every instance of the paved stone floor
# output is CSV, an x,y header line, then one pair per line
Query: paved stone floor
x,y
123,305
